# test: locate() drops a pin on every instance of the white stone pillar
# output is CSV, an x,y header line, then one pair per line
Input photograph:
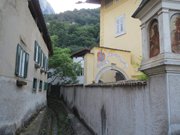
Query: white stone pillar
x,y
145,48
164,31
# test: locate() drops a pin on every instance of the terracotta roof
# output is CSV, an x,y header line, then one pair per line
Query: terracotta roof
x,y
119,83
122,83
36,12
143,3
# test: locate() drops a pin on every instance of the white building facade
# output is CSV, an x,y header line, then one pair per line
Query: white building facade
x,y
24,49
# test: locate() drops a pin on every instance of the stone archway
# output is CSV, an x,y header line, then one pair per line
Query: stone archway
x,y
107,68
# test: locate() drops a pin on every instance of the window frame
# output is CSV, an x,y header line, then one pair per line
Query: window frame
x,y
120,25
22,61
35,84
37,53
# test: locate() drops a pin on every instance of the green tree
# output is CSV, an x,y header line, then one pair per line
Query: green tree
x,y
76,29
63,66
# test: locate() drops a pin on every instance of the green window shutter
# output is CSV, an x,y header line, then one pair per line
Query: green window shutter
x,y
35,49
18,51
26,65
39,56
46,65
44,61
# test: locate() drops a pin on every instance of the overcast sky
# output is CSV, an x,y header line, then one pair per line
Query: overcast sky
x,y
64,5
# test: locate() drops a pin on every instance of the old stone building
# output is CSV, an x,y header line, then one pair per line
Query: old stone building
x,y
24,49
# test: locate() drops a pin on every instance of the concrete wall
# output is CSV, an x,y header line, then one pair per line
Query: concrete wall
x,y
17,104
122,109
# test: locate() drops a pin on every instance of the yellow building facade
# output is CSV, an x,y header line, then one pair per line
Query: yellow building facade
x,y
119,54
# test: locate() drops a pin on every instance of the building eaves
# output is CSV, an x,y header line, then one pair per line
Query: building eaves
x,y
36,12
143,3
93,1
81,53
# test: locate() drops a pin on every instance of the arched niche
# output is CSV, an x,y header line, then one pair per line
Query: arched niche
x,y
154,44
175,33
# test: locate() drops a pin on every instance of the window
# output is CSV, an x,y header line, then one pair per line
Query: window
x,y
46,64
22,60
40,58
43,61
40,85
120,28
37,53
34,84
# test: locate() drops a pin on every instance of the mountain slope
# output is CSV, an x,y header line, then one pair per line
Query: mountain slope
x,y
46,7
76,29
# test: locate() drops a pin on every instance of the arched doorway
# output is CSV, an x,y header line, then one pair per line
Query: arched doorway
x,y
110,74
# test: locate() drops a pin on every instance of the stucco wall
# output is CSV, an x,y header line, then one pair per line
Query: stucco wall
x,y
122,110
108,37
17,104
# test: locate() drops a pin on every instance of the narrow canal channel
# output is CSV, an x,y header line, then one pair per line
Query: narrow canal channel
x,y
55,119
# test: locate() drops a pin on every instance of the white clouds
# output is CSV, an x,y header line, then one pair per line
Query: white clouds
x,y
64,5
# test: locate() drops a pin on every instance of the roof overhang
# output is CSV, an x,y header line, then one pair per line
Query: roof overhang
x,y
36,12
81,53
143,3
94,1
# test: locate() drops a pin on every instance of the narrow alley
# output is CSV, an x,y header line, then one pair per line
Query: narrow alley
x,y
55,119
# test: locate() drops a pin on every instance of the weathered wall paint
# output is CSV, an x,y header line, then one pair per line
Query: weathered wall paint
x,y
112,44
114,59
131,40
122,110
17,104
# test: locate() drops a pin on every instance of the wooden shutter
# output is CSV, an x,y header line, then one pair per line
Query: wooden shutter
x,y
39,55
18,51
44,61
35,49
26,65
46,65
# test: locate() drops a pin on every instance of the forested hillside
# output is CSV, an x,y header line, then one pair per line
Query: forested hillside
x,y
74,29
